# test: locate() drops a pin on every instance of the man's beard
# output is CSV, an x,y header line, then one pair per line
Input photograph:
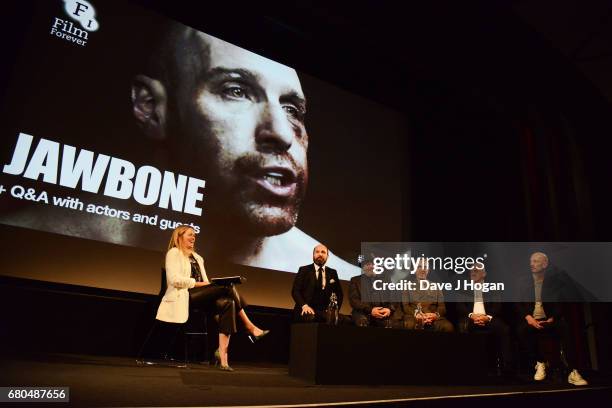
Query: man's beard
x,y
235,201
320,261
231,202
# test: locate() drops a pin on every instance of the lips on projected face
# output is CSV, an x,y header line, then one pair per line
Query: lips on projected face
x,y
268,194
279,182
275,179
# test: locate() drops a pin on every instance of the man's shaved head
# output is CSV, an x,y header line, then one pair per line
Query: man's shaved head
x,y
538,262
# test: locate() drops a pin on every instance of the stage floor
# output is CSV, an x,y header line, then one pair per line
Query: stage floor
x,y
115,381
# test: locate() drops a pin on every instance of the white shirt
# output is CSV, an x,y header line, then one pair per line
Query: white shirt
x,y
479,307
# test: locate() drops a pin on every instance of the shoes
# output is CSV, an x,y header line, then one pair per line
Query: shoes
x,y
540,373
218,362
576,379
225,368
257,338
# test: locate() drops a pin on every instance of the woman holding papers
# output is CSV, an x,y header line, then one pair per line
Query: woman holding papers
x,y
185,273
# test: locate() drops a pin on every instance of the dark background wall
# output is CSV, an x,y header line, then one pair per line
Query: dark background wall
x,y
509,134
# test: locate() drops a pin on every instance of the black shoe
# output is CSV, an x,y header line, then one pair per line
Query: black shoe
x,y
257,338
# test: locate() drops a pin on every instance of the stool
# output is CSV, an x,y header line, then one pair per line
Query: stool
x,y
190,335
194,337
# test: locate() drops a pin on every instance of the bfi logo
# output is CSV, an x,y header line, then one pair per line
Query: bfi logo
x,y
82,12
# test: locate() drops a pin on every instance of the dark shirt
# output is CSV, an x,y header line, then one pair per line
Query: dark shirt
x,y
557,289
364,297
195,270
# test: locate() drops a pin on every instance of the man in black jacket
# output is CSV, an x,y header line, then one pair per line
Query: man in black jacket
x,y
480,312
542,294
313,287
371,307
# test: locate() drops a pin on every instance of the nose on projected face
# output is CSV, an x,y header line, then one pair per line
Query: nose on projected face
x,y
83,12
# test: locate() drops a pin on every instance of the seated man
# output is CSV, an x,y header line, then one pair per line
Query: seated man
x,y
479,312
371,307
313,287
540,312
424,308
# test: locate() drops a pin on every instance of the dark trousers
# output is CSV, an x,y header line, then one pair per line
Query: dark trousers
x,y
439,325
212,300
528,339
501,335
224,301
363,320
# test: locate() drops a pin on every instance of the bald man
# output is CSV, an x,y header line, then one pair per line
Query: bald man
x,y
542,294
313,286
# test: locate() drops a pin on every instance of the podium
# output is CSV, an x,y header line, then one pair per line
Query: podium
x,y
324,354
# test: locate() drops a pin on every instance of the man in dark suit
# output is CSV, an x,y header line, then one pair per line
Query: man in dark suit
x,y
313,287
372,307
480,312
542,294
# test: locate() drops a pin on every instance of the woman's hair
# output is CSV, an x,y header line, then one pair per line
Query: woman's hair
x,y
178,232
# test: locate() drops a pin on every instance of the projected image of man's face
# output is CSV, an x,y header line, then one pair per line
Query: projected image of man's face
x,y
244,116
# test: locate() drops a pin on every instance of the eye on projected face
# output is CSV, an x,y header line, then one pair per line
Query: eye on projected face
x,y
245,115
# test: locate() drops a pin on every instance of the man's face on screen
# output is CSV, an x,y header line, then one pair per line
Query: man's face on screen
x,y
242,116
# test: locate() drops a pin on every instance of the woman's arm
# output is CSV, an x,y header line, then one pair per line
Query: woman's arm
x,y
174,264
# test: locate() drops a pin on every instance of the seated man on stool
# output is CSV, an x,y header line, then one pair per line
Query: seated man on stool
x,y
370,308
479,312
540,312
313,287
424,308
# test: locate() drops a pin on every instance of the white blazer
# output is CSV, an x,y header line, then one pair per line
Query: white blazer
x,y
174,306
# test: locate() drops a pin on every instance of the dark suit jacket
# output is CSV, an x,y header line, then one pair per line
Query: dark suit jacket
x,y
364,302
492,303
305,283
556,289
